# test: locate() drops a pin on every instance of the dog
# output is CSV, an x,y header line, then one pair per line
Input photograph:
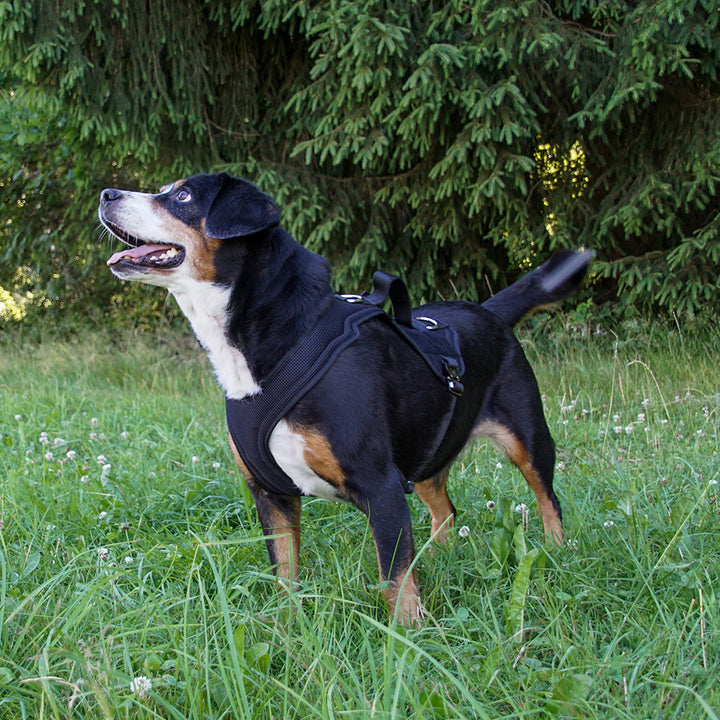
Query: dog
x,y
251,292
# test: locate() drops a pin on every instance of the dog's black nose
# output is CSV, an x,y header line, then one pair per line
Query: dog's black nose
x,y
108,195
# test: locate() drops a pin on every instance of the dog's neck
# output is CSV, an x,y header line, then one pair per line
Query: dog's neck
x,y
205,306
281,290
270,294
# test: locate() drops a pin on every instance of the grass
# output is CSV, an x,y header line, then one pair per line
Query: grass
x,y
130,550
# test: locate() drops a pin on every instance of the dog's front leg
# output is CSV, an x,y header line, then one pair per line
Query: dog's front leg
x,y
280,519
389,517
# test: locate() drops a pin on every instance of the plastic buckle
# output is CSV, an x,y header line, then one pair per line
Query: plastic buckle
x,y
452,375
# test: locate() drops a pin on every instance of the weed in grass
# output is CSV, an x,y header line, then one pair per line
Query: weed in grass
x,y
134,581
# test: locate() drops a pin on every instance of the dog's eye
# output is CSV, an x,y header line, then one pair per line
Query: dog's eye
x,y
183,195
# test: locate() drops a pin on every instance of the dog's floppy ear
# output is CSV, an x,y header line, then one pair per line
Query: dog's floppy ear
x,y
238,209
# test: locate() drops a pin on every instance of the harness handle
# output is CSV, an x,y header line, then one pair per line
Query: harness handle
x,y
386,285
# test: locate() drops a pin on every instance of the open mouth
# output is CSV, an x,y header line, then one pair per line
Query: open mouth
x,y
144,254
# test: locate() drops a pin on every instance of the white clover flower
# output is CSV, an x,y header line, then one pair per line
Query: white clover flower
x,y
103,553
128,560
101,459
102,515
141,686
498,466
195,459
521,508
616,418
70,454
608,523
94,421
59,441
124,434
18,417
713,482
641,417
645,402
216,465
84,479
628,430
618,429
93,436
490,504
49,456
464,531
106,467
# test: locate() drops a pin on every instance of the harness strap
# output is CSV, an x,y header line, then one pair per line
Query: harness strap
x,y
386,285
252,419
435,342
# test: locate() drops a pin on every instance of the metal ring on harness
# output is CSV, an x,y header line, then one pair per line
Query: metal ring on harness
x,y
434,324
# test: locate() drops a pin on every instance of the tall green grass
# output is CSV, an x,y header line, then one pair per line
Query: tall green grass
x,y
134,581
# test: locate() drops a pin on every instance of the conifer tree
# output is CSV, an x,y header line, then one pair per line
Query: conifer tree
x,y
454,143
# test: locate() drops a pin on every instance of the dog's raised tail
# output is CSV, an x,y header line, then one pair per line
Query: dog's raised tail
x,y
554,280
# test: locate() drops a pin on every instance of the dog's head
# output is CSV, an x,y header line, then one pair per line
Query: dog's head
x,y
178,234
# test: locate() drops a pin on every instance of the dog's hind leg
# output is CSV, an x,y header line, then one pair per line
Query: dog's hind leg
x,y
535,458
433,492
280,519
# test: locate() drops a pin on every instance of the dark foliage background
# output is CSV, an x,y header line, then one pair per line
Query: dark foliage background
x,y
454,143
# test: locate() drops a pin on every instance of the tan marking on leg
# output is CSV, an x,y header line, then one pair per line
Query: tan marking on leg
x,y
403,598
434,494
410,612
320,457
238,459
286,544
518,454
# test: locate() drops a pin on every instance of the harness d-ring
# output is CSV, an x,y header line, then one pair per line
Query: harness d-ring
x,y
433,324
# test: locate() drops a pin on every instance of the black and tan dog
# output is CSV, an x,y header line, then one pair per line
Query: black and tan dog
x,y
251,292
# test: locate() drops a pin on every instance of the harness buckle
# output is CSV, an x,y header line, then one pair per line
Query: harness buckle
x,y
452,375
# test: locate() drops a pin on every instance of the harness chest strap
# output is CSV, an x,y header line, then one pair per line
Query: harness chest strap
x,y
252,420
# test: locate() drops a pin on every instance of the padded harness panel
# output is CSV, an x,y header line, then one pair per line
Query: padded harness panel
x,y
252,419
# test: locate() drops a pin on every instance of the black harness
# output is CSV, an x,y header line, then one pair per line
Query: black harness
x,y
252,419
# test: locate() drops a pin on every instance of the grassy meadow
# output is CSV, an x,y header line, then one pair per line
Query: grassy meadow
x,y
134,581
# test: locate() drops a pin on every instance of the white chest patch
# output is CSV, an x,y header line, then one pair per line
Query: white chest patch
x,y
205,306
288,449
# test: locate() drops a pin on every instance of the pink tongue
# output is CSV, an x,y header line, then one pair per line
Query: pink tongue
x,y
137,252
